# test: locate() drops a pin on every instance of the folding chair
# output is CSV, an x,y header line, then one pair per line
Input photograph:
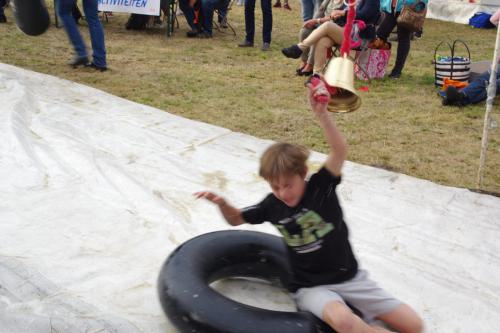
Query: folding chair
x,y
170,11
222,22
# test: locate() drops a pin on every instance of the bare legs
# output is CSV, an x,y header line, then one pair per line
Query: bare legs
x,y
343,320
323,38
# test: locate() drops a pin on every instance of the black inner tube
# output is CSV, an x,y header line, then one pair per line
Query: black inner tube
x,y
31,16
192,306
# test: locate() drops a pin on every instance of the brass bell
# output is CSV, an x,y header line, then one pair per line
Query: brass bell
x,y
339,74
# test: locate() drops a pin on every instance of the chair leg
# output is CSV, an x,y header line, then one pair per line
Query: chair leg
x,y
56,18
171,17
231,27
176,4
218,27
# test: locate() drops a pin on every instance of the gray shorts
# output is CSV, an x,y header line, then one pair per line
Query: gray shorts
x,y
361,292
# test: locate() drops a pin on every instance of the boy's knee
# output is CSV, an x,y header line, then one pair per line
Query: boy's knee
x,y
416,325
339,316
413,324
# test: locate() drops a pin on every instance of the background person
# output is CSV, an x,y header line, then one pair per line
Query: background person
x,y
392,9
309,7
329,33
207,9
286,5
187,7
267,24
64,10
323,14
476,91
3,19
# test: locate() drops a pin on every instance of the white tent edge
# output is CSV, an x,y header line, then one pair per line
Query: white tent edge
x,y
459,11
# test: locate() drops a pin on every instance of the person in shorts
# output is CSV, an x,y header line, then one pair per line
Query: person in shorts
x,y
325,275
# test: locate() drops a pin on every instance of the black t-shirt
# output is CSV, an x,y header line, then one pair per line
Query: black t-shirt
x,y
314,230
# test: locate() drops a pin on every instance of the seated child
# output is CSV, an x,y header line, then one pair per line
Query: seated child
x,y
476,91
309,216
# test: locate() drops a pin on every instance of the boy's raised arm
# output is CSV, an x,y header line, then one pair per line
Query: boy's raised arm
x,y
231,214
333,136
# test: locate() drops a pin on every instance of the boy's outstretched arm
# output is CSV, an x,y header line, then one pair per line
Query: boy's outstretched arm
x,y
231,214
333,136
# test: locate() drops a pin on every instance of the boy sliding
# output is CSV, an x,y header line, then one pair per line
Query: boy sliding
x,y
309,216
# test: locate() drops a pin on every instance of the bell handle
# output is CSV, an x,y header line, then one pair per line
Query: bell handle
x,y
350,4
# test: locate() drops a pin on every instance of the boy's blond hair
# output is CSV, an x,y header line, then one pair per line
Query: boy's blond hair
x,y
283,159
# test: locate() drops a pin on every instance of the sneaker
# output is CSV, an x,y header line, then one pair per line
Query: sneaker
x,y
293,51
192,33
287,6
266,47
277,4
395,75
453,96
97,68
245,43
78,61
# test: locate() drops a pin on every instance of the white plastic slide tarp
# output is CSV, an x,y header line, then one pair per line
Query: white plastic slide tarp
x,y
96,191
459,11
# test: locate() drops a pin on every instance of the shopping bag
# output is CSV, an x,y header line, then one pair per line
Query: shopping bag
x,y
454,67
371,63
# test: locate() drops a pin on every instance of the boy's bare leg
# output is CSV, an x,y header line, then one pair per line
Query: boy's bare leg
x,y
343,320
403,319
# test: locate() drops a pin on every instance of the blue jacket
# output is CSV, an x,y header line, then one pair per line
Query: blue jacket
x,y
385,5
368,11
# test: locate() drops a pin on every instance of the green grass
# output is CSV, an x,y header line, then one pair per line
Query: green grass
x,y
401,125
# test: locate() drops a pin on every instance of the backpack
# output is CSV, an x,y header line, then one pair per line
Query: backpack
x,y
481,20
137,22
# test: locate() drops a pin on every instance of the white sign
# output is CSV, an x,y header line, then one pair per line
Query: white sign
x,y
146,7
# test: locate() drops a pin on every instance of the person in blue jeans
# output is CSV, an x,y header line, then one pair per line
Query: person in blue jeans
x,y
309,7
3,19
64,10
187,8
474,93
267,24
207,10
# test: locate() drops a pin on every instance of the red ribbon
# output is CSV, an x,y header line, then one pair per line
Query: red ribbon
x,y
346,43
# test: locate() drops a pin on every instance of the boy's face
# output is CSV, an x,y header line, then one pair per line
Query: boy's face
x,y
289,189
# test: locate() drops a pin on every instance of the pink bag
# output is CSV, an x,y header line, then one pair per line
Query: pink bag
x,y
357,27
371,63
